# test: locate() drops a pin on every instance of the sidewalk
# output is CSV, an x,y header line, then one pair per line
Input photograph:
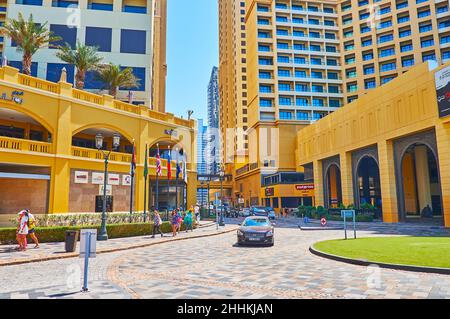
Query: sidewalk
x,y
51,251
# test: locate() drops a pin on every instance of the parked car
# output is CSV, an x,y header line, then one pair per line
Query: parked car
x,y
245,212
256,230
270,213
258,211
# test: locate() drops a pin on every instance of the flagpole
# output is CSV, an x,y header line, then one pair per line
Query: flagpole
x,y
145,185
132,183
176,180
157,184
168,179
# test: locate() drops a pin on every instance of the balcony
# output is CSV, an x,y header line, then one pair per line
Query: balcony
x,y
23,145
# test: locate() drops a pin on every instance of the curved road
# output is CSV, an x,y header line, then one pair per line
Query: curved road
x,y
214,267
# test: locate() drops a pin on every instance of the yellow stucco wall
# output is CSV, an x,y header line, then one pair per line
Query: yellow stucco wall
x,y
65,111
402,107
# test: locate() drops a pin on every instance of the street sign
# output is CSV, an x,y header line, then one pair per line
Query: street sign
x,y
323,221
349,214
92,251
88,249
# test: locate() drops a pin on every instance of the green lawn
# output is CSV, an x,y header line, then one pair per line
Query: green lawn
x,y
418,251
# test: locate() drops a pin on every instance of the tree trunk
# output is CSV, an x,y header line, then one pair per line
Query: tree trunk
x,y
79,79
26,64
113,92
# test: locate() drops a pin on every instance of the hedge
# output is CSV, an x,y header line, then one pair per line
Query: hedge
x,y
58,234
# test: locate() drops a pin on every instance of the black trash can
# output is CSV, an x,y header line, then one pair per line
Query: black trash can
x,y
71,240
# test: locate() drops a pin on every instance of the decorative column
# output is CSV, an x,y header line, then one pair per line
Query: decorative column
x,y
388,181
318,184
346,178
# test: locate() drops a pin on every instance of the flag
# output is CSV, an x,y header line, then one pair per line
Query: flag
x,y
185,173
146,163
4,61
178,170
169,168
133,161
158,163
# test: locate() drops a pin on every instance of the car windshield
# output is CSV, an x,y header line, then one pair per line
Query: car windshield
x,y
256,222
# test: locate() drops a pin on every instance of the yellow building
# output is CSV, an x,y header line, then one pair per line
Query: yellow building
x,y
304,61
48,159
389,148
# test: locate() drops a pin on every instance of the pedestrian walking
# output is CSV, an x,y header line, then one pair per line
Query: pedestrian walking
x,y
22,230
157,222
179,220
32,228
197,213
174,222
188,221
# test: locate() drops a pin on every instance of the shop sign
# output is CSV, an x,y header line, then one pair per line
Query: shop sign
x,y
81,177
108,190
270,192
443,91
126,180
16,97
113,179
306,190
97,178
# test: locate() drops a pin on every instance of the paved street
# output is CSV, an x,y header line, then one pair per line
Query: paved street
x,y
214,267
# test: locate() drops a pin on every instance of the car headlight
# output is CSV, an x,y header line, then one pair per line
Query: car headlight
x,y
269,233
240,233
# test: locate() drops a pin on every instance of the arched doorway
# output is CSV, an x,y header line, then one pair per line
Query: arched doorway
x,y
422,197
368,182
333,192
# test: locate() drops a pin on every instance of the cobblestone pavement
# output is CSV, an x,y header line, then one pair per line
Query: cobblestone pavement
x,y
9,254
214,267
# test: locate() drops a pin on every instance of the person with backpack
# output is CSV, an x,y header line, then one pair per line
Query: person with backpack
x,y
157,222
32,228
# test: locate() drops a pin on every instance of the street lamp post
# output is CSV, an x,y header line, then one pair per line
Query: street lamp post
x,y
222,174
103,235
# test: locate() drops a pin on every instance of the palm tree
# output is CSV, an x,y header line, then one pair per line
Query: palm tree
x,y
29,37
113,78
84,58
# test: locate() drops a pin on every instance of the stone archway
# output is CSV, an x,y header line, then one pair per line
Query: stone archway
x,y
419,192
332,182
366,177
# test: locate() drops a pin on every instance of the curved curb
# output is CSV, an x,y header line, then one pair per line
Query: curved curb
x,y
110,250
360,262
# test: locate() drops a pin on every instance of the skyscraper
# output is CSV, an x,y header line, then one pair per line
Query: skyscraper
x,y
202,151
213,151
304,60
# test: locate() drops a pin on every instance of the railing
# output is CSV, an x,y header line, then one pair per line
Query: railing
x,y
97,155
127,107
88,97
38,83
25,145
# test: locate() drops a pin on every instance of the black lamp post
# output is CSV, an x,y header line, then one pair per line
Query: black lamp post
x,y
221,174
103,235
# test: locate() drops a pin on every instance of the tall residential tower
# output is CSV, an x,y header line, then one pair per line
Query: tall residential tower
x,y
306,59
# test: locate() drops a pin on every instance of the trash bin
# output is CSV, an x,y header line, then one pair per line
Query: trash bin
x,y
71,240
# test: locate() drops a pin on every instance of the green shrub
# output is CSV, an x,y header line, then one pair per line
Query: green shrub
x,y
58,233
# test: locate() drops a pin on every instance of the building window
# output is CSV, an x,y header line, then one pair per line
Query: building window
x,y
139,73
99,37
67,34
133,41
30,2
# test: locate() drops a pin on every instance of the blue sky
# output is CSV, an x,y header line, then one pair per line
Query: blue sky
x,y
192,51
